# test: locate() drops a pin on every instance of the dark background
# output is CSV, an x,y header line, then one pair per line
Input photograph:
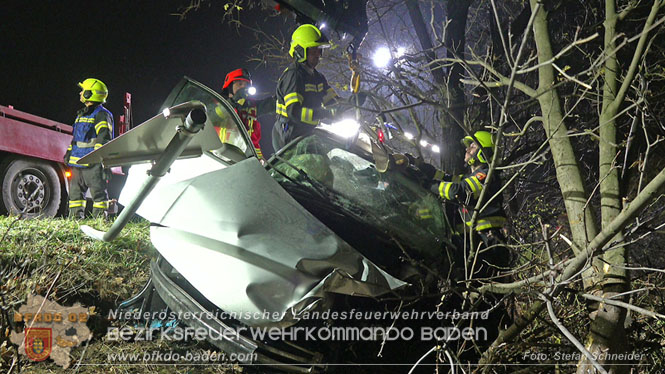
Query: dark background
x,y
140,47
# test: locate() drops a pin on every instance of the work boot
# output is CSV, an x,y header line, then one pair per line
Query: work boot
x,y
99,209
76,213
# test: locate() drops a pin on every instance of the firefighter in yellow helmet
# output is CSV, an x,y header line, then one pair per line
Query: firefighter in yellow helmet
x,y
92,129
466,188
303,95
465,191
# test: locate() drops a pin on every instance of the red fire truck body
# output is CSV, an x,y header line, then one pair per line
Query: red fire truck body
x,y
33,176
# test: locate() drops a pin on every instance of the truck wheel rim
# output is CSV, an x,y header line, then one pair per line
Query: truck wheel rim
x,y
29,190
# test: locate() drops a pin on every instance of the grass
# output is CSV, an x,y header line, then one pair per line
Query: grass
x,y
53,258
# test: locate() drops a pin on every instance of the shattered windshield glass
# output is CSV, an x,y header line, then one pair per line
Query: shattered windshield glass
x,y
392,203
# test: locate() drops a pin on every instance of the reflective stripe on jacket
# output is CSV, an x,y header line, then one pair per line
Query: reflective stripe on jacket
x,y
465,190
249,110
91,130
301,94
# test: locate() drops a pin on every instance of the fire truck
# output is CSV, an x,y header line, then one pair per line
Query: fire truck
x,y
33,176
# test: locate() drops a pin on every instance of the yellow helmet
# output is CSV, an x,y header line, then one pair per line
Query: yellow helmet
x,y
306,36
486,142
93,90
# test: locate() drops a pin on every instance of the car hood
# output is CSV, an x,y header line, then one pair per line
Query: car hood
x,y
247,246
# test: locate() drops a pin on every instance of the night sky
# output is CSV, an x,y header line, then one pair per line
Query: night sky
x,y
48,46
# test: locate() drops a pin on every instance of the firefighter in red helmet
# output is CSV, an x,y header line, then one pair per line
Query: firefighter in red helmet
x,y
236,88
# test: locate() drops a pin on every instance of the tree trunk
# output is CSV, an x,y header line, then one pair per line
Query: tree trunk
x,y
452,90
607,329
581,219
455,42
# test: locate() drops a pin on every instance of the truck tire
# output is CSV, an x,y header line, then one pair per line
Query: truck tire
x,y
31,187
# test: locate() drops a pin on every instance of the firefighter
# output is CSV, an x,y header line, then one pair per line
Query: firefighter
x,y
236,89
91,130
304,97
465,190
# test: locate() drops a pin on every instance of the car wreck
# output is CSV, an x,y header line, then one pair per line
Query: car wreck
x,y
318,227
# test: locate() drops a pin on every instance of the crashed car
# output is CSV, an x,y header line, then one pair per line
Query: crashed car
x,y
260,246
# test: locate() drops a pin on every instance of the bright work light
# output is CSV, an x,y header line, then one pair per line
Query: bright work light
x,y
345,128
381,57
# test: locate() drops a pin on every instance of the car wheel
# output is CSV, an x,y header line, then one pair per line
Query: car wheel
x,y
31,187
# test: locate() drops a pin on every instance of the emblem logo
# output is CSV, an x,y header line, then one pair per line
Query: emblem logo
x,y
38,343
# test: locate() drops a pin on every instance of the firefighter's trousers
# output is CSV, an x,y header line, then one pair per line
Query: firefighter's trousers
x,y
83,178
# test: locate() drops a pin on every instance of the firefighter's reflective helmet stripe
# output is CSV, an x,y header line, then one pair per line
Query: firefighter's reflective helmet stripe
x,y
101,204
292,98
307,116
94,90
76,203
101,125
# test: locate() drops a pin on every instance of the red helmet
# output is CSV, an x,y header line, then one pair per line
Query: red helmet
x,y
236,75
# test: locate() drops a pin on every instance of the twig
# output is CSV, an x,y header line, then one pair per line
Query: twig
x,y
385,338
78,363
570,336
14,361
561,53
46,296
422,358
625,306
563,72
504,288
10,227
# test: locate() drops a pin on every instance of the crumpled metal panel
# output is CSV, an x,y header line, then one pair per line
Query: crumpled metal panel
x,y
147,142
249,247
153,208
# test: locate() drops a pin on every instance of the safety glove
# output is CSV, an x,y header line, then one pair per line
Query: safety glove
x,y
240,97
329,112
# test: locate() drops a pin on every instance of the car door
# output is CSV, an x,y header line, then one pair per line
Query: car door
x,y
221,114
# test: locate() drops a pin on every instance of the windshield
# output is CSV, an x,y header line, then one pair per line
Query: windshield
x,y
220,114
392,202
